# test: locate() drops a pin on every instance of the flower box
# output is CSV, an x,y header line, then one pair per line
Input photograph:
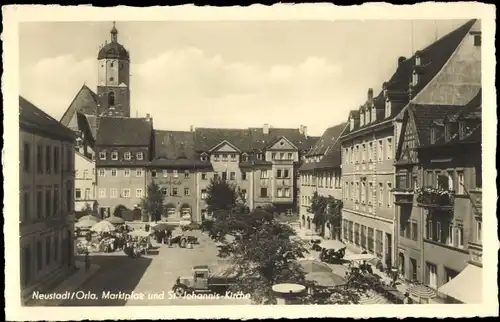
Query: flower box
x,y
435,197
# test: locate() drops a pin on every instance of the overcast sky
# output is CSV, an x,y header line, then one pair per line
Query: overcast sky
x,y
226,74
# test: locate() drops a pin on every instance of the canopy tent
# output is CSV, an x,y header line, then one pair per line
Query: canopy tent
x,y
332,244
314,266
89,217
325,279
103,227
85,223
163,226
139,233
422,292
115,220
359,257
466,287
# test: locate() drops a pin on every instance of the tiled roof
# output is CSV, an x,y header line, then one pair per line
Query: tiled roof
x,y
174,144
432,59
93,122
34,119
85,101
261,140
327,140
207,138
121,131
84,126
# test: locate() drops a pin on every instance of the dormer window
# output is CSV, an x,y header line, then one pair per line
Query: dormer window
x,y
374,114
102,155
462,128
477,40
114,155
244,157
414,79
361,118
433,135
367,116
204,157
417,60
447,132
216,157
140,156
351,127
259,156
127,156
387,108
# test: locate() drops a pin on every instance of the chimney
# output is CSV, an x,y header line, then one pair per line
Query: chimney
x,y
370,95
148,117
301,129
304,130
191,128
265,129
401,59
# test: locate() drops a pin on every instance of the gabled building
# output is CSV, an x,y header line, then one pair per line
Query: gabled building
x,y
46,210
369,146
438,178
320,172
124,148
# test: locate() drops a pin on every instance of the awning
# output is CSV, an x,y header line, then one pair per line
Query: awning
x,y
359,257
467,287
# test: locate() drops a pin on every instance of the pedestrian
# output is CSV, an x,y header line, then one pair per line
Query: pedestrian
x,y
408,299
87,261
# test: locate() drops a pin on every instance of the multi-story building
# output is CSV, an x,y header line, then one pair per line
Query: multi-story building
x,y
180,173
369,147
123,150
320,173
46,213
438,178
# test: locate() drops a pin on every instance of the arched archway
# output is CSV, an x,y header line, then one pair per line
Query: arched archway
x,y
185,210
169,210
111,99
119,211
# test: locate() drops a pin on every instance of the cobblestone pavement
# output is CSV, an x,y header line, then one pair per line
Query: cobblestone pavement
x,y
149,278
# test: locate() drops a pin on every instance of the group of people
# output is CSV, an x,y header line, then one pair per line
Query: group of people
x,y
163,236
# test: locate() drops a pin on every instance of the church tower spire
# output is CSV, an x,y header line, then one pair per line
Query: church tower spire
x,y
113,78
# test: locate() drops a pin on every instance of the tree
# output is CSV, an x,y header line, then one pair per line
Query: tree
x,y
87,209
153,203
221,195
326,210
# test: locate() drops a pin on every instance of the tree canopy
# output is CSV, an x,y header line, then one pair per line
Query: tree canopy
x,y
154,203
326,210
221,195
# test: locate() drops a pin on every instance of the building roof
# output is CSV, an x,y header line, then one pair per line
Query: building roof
x,y
113,50
34,119
432,59
85,101
122,131
327,140
174,144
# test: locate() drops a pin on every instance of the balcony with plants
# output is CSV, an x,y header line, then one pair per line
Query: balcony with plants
x,y
429,197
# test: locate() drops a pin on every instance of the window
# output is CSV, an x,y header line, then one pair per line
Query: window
x,y
460,236
282,156
56,199
138,173
127,156
174,192
26,206
479,231
460,183
204,194
203,158
356,234
414,231
224,175
165,173
48,202
379,243
140,156
370,151
439,234
363,153
27,157
186,192
429,229
477,40
102,155
48,159
164,191
244,157
280,193
259,156
39,204
414,80
387,108
69,160
69,197
176,174
287,192
447,132
153,173
263,192
111,99
39,258
126,193
433,135
102,193
451,184
39,159
203,176
450,274
126,172
431,276
216,176
113,172
114,155
479,176
78,193
380,194
290,156
278,173
389,148
85,173
113,193
216,157
87,194
224,157
243,175
370,192
263,174
186,174
111,79
232,176
389,195
450,238
363,192
370,239
233,157
48,247
286,173
138,193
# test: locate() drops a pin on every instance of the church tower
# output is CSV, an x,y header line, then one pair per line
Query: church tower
x,y
113,83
